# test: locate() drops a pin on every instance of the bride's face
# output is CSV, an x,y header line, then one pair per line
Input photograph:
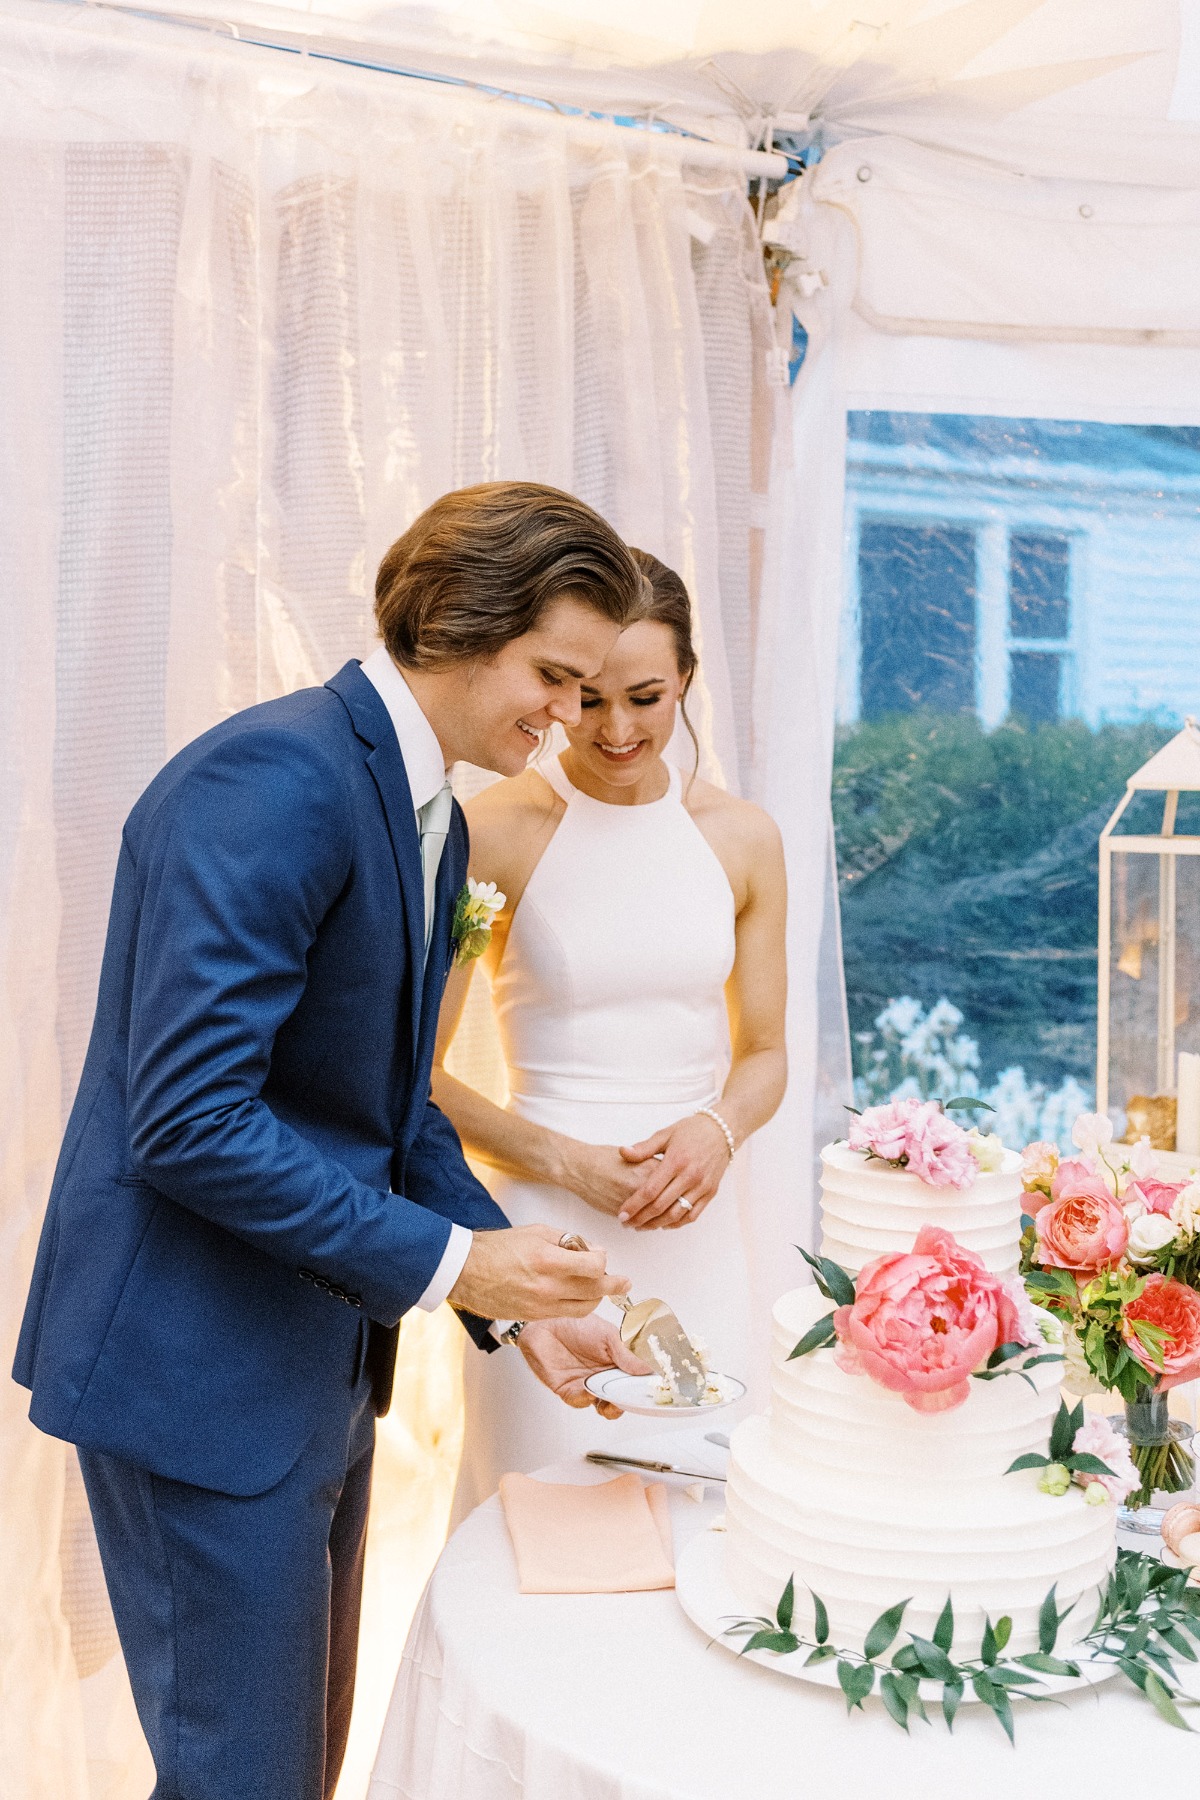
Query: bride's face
x,y
628,709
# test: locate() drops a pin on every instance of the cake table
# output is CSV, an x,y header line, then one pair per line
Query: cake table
x,y
504,1696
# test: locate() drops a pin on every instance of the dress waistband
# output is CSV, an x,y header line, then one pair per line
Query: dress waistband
x,y
599,1090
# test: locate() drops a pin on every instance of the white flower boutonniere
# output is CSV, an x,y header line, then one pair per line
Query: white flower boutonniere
x,y
474,913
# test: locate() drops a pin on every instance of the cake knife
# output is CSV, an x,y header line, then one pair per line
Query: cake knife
x,y
657,1468
646,1319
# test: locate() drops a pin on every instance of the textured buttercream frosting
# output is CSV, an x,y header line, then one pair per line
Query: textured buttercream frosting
x,y
866,1502
870,1209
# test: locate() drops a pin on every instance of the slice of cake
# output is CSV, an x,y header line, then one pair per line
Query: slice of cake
x,y
879,1474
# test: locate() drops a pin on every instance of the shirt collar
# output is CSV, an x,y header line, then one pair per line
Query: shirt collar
x,y
423,760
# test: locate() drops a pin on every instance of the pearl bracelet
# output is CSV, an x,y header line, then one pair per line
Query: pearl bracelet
x,y
710,1112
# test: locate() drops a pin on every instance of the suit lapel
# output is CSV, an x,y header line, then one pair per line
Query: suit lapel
x,y
373,726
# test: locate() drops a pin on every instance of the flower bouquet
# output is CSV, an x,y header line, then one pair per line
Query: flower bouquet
x,y
1114,1252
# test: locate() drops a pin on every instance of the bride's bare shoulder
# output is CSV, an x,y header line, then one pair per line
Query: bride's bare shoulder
x,y
741,820
510,821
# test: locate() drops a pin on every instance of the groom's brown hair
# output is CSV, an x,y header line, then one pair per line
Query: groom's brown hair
x,y
480,566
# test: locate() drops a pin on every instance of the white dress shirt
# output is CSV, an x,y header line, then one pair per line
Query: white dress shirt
x,y
426,769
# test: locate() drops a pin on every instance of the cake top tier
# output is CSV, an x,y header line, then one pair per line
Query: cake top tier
x,y
869,1209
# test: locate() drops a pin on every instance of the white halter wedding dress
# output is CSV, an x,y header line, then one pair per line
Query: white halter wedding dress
x,y
611,1008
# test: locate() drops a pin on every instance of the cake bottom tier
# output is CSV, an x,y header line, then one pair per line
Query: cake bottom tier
x,y
995,1551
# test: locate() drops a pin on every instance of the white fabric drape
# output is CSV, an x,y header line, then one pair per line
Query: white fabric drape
x,y
257,311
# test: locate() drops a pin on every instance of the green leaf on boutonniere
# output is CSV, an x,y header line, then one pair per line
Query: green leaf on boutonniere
x,y
884,1630
815,1338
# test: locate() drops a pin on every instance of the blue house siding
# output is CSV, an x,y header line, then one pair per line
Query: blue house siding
x,y
1115,507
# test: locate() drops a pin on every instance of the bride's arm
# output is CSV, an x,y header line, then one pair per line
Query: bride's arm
x,y
694,1152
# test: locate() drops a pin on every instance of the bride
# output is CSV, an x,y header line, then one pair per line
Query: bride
x,y
637,975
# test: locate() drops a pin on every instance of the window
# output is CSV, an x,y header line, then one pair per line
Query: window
x,y
1039,612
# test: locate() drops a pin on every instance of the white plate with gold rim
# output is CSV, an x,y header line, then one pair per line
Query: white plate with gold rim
x,y
635,1394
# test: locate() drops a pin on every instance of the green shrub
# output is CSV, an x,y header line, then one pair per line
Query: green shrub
x,y
967,869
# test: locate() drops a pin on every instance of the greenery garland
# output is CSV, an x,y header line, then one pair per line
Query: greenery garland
x,y
1148,1616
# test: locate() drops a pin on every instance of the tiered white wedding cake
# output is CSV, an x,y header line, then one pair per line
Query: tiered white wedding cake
x,y
867,1500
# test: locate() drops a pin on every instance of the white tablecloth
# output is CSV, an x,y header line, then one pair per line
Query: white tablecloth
x,y
504,1696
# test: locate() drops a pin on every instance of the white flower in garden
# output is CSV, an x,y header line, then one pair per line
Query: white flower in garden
x,y
1092,1133
986,1148
1148,1235
1185,1209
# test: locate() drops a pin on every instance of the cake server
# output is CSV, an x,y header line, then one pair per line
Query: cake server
x,y
646,1319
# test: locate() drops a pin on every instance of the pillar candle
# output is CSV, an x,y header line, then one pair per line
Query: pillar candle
x,y
1187,1116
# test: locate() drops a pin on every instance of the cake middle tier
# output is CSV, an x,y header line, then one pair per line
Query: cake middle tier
x,y
849,1427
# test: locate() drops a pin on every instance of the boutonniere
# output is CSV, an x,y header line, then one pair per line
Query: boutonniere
x,y
474,914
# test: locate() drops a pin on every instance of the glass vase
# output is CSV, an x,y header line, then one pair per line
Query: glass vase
x,y
1161,1450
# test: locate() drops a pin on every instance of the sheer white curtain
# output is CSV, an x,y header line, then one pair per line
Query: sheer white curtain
x,y
255,312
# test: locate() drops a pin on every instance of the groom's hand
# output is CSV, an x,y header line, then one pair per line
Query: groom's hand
x,y
524,1273
563,1352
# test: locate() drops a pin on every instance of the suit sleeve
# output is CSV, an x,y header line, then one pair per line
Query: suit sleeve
x,y
238,869
436,1174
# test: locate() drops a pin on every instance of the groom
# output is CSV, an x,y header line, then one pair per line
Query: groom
x,y
255,1186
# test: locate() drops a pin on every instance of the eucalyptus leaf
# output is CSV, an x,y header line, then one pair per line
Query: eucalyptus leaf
x,y
856,1682
894,1698
884,1630
952,1693
1157,1691
816,1337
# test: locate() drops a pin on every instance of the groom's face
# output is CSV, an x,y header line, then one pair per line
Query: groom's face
x,y
510,698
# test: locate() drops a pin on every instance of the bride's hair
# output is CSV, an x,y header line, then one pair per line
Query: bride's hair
x,y
665,601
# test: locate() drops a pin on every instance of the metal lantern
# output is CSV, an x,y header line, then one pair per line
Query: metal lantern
x,y
1148,1016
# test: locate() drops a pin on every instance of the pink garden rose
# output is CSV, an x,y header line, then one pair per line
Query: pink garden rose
x,y
1077,1176
1176,1309
1156,1196
1084,1230
924,1320
917,1135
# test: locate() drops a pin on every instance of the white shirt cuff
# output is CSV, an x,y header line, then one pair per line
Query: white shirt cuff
x,y
454,1256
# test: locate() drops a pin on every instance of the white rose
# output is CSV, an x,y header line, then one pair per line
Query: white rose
x,y
1148,1235
1077,1375
987,1149
1185,1211
1142,1160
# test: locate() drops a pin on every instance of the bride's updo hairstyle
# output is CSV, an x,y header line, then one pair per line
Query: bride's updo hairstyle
x,y
481,565
666,602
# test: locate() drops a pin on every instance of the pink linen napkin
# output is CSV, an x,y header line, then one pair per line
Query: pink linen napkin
x,y
610,1538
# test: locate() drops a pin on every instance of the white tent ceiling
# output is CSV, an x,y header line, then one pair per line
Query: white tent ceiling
x,y
1097,88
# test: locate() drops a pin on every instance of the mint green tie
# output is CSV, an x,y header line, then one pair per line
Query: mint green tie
x,y
434,818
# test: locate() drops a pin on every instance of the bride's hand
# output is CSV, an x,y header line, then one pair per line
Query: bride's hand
x,y
601,1175
693,1156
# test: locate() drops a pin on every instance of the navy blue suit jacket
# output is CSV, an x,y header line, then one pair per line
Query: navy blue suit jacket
x,y
253,1162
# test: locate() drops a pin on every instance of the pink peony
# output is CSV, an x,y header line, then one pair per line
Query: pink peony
x,y
1156,1196
924,1320
916,1134
1176,1309
1077,1177
1084,1230
1098,1437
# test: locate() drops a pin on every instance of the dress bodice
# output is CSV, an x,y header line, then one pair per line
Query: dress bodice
x,y
612,982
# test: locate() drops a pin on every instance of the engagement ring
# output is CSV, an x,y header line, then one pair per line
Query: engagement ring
x,y
684,1205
